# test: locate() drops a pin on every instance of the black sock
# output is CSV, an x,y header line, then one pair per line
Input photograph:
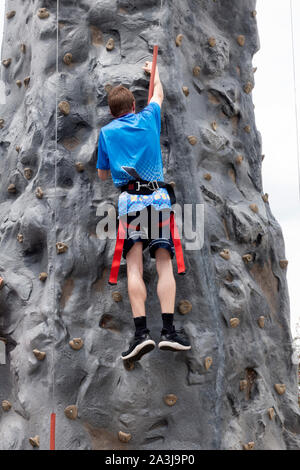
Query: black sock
x,y
140,326
167,319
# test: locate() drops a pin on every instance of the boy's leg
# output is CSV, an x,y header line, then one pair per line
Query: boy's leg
x,y
166,286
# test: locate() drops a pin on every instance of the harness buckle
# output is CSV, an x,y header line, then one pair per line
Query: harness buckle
x,y
138,185
153,185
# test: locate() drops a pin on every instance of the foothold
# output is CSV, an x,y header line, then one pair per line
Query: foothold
x,y
110,45
247,129
265,197
124,436
184,307
239,159
71,412
1,282
254,208
39,192
43,13
79,167
208,362
19,83
247,258
186,90
6,405
35,441
116,296
280,388
271,413
129,365
192,139
170,399
1,123
28,173
243,384
40,355
76,343
283,263
261,321
214,125
68,58
179,39
254,13
23,48
225,253
6,62
11,188
248,87
61,247
20,237
249,446
234,322
207,176
10,14
196,71
212,42
26,81
241,40
43,276
108,87
18,148
64,107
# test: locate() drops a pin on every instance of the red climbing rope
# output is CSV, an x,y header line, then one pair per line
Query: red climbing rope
x,y
52,431
153,69
113,278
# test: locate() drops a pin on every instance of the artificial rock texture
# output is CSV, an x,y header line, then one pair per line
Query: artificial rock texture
x,y
225,386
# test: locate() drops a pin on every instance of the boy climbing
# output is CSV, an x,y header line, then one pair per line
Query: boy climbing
x,y
129,147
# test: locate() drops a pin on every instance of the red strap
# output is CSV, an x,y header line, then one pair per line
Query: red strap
x,y
177,245
113,278
52,431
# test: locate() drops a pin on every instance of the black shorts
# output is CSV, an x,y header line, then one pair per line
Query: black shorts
x,y
152,229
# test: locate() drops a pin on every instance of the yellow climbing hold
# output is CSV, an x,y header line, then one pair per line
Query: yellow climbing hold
x,y
234,322
39,192
186,90
241,40
64,107
261,321
67,58
207,176
239,159
6,405
192,139
271,413
170,399
225,253
184,307
43,276
265,197
40,355
243,384
35,441
247,258
61,247
79,167
43,13
76,343
179,39
71,412
254,208
212,41
249,446
248,87
283,263
208,362
214,125
20,237
124,436
110,45
196,71
280,388
6,62
10,14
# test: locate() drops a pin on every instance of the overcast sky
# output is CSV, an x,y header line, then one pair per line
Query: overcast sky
x,y
273,97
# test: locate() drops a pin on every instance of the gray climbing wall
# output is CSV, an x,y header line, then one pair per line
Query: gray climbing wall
x,y
237,387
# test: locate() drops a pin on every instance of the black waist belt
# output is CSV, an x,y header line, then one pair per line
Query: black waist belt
x,y
148,187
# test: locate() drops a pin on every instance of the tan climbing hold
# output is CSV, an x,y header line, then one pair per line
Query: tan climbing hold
x,y
11,188
247,129
212,41
64,107
283,263
20,237
26,81
196,71
18,148
248,87
23,48
208,362
6,405
179,39
214,125
1,123
225,253
265,197
19,83
254,208
71,411
1,282
192,139
40,355
186,90
254,13
61,247
43,13
239,159
10,14
28,173
68,58
241,40
79,167
280,388
170,399
116,296
184,307
271,413
124,436
129,365
247,258
234,322
43,276
76,343
35,441
207,176
39,192
6,62
249,446
108,87
261,322
110,45
243,385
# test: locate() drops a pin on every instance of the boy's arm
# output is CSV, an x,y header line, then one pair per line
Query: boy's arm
x,y
103,160
103,174
158,92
